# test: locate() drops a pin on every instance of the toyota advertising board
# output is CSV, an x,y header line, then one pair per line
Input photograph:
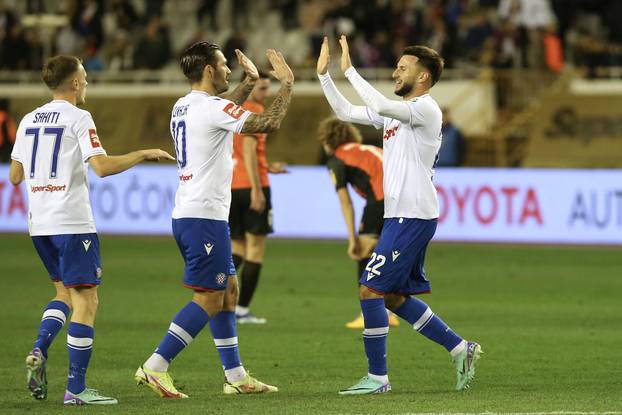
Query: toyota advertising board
x,y
485,205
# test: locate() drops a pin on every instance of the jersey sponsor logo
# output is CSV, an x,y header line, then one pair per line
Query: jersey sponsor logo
x,y
87,245
395,254
235,111
95,143
48,188
208,247
186,178
390,132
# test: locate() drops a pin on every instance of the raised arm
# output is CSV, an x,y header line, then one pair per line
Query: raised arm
x,y
243,90
371,97
270,120
342,108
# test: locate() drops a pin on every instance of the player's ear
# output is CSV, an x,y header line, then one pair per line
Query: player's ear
x,y
208,72
424,76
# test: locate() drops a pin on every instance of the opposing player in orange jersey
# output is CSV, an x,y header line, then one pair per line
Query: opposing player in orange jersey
x,y
250,217
359,165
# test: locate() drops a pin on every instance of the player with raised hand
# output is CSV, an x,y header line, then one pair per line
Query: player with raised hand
x,y
202,127
54,143
411,141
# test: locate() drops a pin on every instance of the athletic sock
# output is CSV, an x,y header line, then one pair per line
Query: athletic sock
x,y
80,347
375,335
249,280
224,332
362,264
417,313
54,317
186,325
237,261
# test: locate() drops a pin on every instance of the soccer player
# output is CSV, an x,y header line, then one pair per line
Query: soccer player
x,y
54,143
411,141
360,165
250,218
202,126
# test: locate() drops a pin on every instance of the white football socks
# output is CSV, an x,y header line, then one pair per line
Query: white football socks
x,y
379,378
459,348
236,374
156,363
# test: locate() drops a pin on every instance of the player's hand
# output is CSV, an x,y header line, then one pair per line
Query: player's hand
x,y
354,249
324,59
155,154
345,53
258,200
247,65
278,167
280,69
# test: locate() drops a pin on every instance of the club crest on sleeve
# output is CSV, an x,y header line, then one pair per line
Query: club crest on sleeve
x,y
235,111
95,143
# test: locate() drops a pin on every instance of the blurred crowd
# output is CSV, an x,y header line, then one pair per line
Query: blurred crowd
x,y
141,34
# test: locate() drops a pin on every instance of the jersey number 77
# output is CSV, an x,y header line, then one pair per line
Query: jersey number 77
x,y
57,133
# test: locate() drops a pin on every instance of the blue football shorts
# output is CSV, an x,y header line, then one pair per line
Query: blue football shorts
x,y
73,259
396,265
205,246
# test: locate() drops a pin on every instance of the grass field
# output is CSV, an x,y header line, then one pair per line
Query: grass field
x,y
549,320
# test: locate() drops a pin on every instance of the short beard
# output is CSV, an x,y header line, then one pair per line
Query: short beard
x,y
404,90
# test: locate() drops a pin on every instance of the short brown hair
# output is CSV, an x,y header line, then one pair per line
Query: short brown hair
x,y
429,59
196,57
57,69
334,132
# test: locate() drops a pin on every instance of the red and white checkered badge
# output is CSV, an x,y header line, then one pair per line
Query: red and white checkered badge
x,y
236,111
94,138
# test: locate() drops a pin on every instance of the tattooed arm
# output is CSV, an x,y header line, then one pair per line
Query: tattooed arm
x,y
242,91
271,119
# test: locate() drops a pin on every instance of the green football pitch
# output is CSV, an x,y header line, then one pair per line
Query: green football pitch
x,y
549,320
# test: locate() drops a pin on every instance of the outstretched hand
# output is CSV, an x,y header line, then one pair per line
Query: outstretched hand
x,y
277,167
155,154
324,59
280,69
345,53
247,65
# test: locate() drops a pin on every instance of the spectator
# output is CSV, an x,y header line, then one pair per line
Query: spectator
x,y
7,131
453,145
153,48
125,15
86,20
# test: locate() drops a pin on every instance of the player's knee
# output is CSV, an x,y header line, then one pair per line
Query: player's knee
x,y
238,247
393,301
366,294
211,302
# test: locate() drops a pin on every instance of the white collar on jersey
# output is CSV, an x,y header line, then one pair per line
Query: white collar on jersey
x,y
195,91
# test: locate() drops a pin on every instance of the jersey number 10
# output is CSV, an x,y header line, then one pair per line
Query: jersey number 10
x,y
57,132
179,129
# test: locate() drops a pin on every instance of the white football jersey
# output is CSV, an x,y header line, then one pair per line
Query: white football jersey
x,y
202,128
53,144
410,151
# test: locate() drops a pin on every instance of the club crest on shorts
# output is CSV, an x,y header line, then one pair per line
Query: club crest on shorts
x,y
221,279
98,273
